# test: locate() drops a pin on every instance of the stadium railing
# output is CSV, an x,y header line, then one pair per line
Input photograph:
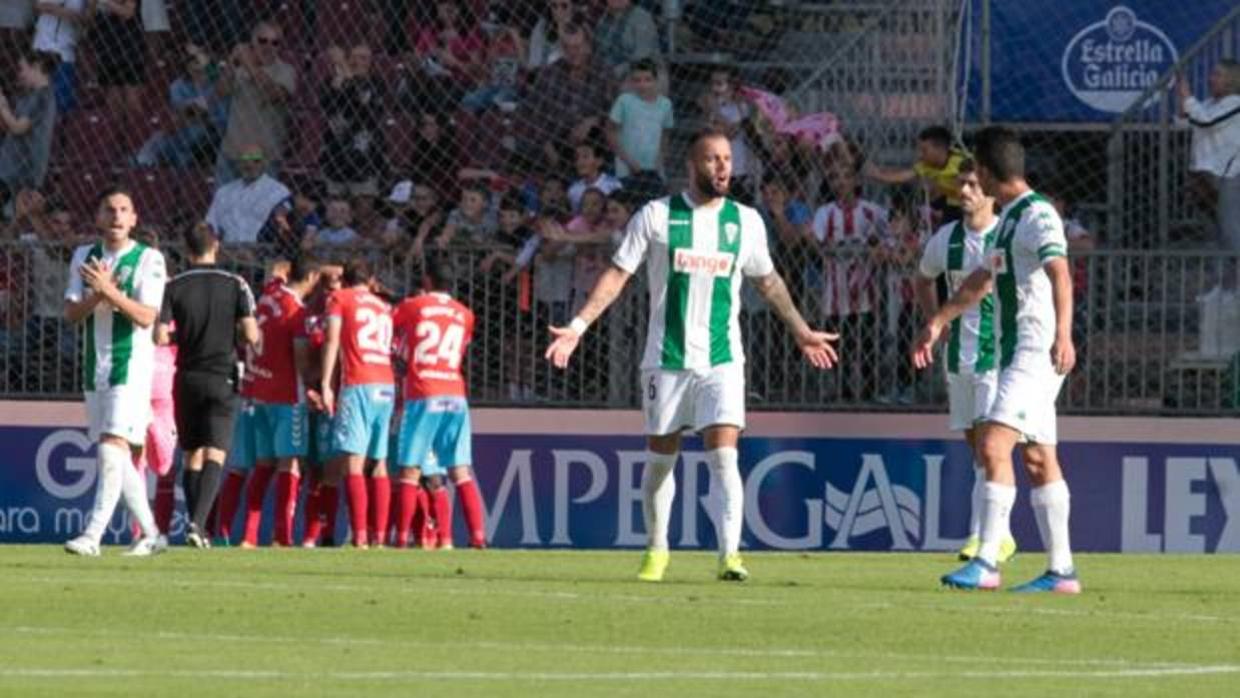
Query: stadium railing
x,y
1156,333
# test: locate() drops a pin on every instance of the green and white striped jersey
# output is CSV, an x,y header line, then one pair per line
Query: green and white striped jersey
x,y
116,351
1030,234
956,251
696,257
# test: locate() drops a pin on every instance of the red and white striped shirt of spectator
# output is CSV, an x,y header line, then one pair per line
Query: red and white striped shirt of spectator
x,y
847,232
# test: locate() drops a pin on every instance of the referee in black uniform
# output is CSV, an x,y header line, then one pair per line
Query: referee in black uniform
x,y
210,308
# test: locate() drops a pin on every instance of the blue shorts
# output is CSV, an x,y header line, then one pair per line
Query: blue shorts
x,y
363,419
280,431
244,447
435,435
321,451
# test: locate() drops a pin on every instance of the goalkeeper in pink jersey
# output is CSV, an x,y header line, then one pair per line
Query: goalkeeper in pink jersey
x,y
161,437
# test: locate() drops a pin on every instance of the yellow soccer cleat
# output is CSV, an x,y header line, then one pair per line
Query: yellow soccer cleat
x,y
1007,550
732,569
970,548
654,564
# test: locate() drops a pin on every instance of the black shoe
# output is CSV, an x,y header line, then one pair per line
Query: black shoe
x,y
195,539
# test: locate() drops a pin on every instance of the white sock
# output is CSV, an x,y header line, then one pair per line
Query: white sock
x,y
112,459
996,519
978,500
133,489
1051,506
726,473
658,491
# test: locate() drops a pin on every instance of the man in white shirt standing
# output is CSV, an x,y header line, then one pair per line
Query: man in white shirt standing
x,y
242,207
115,289
1215,165
697,246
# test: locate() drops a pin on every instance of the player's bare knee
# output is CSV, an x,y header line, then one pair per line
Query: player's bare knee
x,y
1041,464
412,476
721,436
461,473
667,444
434,482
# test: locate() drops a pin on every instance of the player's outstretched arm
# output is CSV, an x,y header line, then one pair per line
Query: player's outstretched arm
x,y
972,291
816,346
1063,351
564,339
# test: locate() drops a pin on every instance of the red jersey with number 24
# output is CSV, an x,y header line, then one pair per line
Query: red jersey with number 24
x,y
365,336
435,331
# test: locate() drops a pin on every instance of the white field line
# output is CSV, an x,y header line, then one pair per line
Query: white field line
x,y
621,676
768,653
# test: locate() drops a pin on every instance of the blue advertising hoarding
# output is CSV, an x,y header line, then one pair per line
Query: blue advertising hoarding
x,y
1079,61
812,482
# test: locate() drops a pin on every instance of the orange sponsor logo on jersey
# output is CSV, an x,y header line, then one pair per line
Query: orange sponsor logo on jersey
x,y
708,263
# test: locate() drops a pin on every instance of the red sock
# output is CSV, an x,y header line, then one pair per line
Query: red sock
x,y
423,518
380,508
443,516
407,494
166,501
311,526
355,487
329,504
471,506
230,498
254,496
286,507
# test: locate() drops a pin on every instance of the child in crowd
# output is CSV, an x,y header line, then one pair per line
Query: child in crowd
x,y
515,306
292,227
471,223
415,211
589,159
639,123
504,53
339,229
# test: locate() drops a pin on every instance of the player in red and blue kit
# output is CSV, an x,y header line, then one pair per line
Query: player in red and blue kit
x,y
359,332
322,497
435,435
277,400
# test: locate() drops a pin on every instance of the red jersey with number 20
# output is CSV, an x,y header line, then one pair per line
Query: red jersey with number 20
x,y
435,331
365,336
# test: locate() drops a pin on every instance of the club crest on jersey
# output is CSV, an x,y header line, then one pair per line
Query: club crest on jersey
x,y
706,263
997,262
730,231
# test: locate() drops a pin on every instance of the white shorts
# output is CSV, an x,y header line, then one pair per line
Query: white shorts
x,y
969,397
1025,399
123,411
673,401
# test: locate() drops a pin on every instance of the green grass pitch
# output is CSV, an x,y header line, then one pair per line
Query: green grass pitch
x,y
351,623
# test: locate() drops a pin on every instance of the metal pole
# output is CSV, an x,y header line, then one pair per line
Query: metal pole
x,y
985,61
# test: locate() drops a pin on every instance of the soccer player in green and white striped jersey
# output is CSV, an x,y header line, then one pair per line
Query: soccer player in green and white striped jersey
x,y
115,289
951,254
697,246
1028,277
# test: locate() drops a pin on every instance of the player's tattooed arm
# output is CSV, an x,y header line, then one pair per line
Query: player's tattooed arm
x,y
564,339
816,346
608,287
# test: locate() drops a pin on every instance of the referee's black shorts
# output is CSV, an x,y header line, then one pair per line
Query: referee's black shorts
x,y
206,407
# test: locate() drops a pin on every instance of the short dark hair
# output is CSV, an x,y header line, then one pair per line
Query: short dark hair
x,y
302,267
200,239
356,272
511,202
45,61
939,135
111,191
967,166
477,187
627,198
644,65
703,134
998,149
440,271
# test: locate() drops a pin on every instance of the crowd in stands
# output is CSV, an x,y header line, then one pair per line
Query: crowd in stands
x,y
523,132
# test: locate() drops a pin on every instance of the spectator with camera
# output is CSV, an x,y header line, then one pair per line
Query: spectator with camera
x,y
259,86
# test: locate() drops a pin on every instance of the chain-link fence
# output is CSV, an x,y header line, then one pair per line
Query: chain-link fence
x,y
522,133
1154,336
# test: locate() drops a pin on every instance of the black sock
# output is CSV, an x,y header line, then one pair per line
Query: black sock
x,y
190,480
208,487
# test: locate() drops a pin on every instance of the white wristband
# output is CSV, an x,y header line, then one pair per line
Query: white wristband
x,y
579,326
